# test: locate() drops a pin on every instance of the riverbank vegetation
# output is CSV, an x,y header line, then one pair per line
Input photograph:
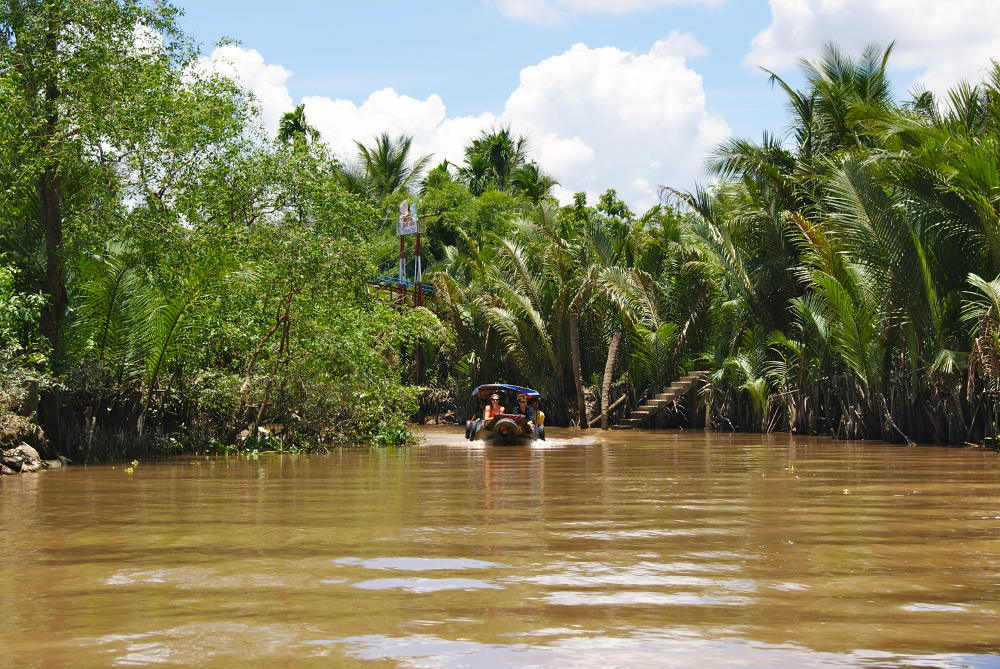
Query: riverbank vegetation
x,y
171,278
839,280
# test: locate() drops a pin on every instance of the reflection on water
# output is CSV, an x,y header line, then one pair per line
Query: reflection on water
x,y
424,584
417,564
667,549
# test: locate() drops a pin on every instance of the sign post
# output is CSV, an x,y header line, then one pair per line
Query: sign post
x,y
418,259
403,211
409,224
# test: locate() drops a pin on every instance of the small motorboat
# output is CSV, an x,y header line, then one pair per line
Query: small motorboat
x,y
509,427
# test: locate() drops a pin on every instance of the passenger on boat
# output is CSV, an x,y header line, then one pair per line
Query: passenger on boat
x,y
494,408
528,411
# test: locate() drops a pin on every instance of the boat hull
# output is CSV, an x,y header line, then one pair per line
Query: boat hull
x,y
506,430
491,437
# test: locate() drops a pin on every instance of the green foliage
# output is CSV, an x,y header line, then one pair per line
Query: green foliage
x,y
854,250
197,286
529,181
200,283
295,129
18,311
653,363
493,159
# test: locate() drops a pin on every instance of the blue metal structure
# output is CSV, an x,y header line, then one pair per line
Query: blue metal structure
x,y
394,282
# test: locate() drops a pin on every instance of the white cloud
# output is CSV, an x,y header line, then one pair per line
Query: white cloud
x,y
550,12
621,113
945,41
340,122
268,82
145,40
596,118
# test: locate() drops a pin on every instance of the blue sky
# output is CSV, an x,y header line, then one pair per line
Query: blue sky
x,y
629,94
469,53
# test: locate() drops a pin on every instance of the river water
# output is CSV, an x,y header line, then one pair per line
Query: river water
x,y
614,549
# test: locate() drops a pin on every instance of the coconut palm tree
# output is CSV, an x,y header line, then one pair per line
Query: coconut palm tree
x,y
384,168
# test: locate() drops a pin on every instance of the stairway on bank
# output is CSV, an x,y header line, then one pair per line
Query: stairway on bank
x,y
653,406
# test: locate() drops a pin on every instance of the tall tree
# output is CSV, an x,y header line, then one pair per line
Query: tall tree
x,y
93,86
530,181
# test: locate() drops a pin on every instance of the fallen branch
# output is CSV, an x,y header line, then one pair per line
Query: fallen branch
x,y
597,419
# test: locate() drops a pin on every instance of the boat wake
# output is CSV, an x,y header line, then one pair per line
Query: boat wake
x,y
555,437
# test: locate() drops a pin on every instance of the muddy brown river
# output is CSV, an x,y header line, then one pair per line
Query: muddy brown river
x,y
614,549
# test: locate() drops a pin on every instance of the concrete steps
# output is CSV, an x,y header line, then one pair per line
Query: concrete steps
x,y
655,404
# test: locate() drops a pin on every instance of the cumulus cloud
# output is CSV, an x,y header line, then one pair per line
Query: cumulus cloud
x,y
268,82
945,41
596,118
549,12
340,122
603,117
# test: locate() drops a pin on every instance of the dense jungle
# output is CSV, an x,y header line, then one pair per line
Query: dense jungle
x,y
174,278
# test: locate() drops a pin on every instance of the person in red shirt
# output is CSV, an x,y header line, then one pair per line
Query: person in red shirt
x,y
490,411
494,408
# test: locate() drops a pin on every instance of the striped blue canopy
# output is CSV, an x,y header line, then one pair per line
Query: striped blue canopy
x,y
488,388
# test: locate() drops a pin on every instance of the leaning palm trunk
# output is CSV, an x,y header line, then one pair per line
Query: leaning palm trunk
x,y
609,369
581,401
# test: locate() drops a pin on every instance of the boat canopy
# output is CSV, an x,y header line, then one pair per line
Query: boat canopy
x,y
488,388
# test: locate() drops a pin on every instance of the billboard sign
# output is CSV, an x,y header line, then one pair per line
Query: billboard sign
x,y
408,223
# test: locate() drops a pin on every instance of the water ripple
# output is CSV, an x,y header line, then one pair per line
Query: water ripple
x,y
416,564
419,585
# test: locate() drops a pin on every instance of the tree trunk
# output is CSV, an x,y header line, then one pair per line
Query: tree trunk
x,y
50,213
609,369
50,218
282,351
574,343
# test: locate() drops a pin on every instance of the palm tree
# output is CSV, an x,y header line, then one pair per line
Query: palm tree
x,y
475,174
511,299
531,182
494,157
981,312
436,178
832,113
386,167
294,129
533,291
